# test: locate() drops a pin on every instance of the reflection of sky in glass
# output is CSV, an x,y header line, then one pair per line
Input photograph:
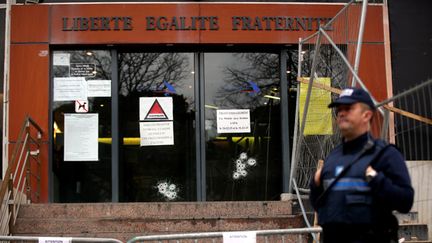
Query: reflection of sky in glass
x,y
188,88
215,65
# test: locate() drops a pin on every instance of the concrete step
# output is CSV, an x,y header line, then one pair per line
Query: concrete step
x,y
413,232
126,220
157,210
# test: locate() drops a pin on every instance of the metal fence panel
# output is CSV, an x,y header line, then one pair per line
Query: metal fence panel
x,y
294,235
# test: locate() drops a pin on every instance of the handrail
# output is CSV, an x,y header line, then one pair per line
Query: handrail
x,y
17,185
29,119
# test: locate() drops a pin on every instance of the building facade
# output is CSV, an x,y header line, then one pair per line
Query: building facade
x,y
168,101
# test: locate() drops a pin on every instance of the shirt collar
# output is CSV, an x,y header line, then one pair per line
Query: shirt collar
x,y
356,144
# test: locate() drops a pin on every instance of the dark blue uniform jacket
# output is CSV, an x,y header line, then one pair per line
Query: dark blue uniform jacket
x,y
352,200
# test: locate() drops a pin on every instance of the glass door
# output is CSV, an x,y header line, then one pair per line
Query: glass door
x,y
242,126
81,118
156,127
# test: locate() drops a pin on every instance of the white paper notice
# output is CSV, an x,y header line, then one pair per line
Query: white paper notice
x,y
67,89
54,240
81,137
233,121
157,133
61,59
239,237
156,109
99,88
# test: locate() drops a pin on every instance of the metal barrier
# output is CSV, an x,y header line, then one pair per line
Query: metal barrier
x,y
326,64
296,235
56,239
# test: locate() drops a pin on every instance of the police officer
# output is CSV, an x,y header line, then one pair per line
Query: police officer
x,y
362,180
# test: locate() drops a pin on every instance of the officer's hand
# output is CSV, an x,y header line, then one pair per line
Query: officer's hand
x,y
370,173
317,177
369,170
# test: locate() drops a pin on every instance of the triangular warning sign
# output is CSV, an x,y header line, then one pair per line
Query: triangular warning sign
x,y
156,112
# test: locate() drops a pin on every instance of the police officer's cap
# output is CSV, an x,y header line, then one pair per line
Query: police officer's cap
x,y
353,95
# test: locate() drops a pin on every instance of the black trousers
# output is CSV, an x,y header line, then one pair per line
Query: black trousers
x,y
356,233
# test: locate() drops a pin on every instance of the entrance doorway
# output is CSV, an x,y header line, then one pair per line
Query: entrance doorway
x,y
225,130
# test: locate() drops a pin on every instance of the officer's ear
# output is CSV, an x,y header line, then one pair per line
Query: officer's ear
x,y
367,111
369,114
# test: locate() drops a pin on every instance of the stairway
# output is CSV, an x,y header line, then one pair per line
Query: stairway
x,y
125,220
411,230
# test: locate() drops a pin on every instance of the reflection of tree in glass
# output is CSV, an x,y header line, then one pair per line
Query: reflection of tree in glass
x,y
260,68
147,71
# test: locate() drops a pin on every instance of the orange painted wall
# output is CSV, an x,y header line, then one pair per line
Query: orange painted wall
x,y
29,86
224,13
29,94
372,62
374,23
29,24
372,69
36,27
29,78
